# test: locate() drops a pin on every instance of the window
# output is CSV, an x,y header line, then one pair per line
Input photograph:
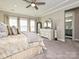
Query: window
x,y
23,24
13,21
32,26
49,24
45,25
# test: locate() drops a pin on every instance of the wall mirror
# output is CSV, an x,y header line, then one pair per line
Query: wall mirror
x,y
48,24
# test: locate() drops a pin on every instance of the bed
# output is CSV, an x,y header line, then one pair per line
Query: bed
x,y
17,47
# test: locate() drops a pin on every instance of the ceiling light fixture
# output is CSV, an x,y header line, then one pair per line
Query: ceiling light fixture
x,y
33,5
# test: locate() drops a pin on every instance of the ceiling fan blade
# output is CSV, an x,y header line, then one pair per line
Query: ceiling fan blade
x,y
40,3
36,7
28,6
27,1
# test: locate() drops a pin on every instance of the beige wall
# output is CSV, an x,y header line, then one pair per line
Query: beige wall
x,y
1,17
58,20
57,16
76,24
4,17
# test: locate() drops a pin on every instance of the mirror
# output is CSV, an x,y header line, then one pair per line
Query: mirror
x,y
48,24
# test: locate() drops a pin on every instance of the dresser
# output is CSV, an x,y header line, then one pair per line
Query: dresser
x,y
48,33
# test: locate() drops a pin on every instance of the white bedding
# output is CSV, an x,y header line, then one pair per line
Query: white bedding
x,y
32,37
12,44
15,44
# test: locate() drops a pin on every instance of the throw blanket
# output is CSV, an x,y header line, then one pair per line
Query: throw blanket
x,y
33,37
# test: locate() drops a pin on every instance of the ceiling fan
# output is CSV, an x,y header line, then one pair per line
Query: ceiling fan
x,y
34,3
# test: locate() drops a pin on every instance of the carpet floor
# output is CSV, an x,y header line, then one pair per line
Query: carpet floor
x,y
60,50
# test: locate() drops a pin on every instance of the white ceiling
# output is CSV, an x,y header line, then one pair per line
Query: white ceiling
x,y
19,6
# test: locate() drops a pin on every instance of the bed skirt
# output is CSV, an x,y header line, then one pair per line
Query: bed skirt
x,y
26,54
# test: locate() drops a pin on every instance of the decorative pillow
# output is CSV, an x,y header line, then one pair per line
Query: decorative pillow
x,y
3,30
9,30
18,31
14,30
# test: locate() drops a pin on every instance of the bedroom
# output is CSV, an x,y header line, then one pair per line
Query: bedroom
x,y
46,21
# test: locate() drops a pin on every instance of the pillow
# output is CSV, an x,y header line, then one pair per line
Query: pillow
x,y
9,30
3,30
18,31
14,30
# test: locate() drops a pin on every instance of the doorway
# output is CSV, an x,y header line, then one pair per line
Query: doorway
x,y
72,24
68,24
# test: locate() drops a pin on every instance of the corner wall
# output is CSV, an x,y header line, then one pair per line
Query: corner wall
x,y
58,20
76,25
1,17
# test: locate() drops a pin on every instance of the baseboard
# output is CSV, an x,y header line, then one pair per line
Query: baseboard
x,y
75,39
63,40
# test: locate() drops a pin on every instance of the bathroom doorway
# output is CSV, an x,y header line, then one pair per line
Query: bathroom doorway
x,y
68,24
